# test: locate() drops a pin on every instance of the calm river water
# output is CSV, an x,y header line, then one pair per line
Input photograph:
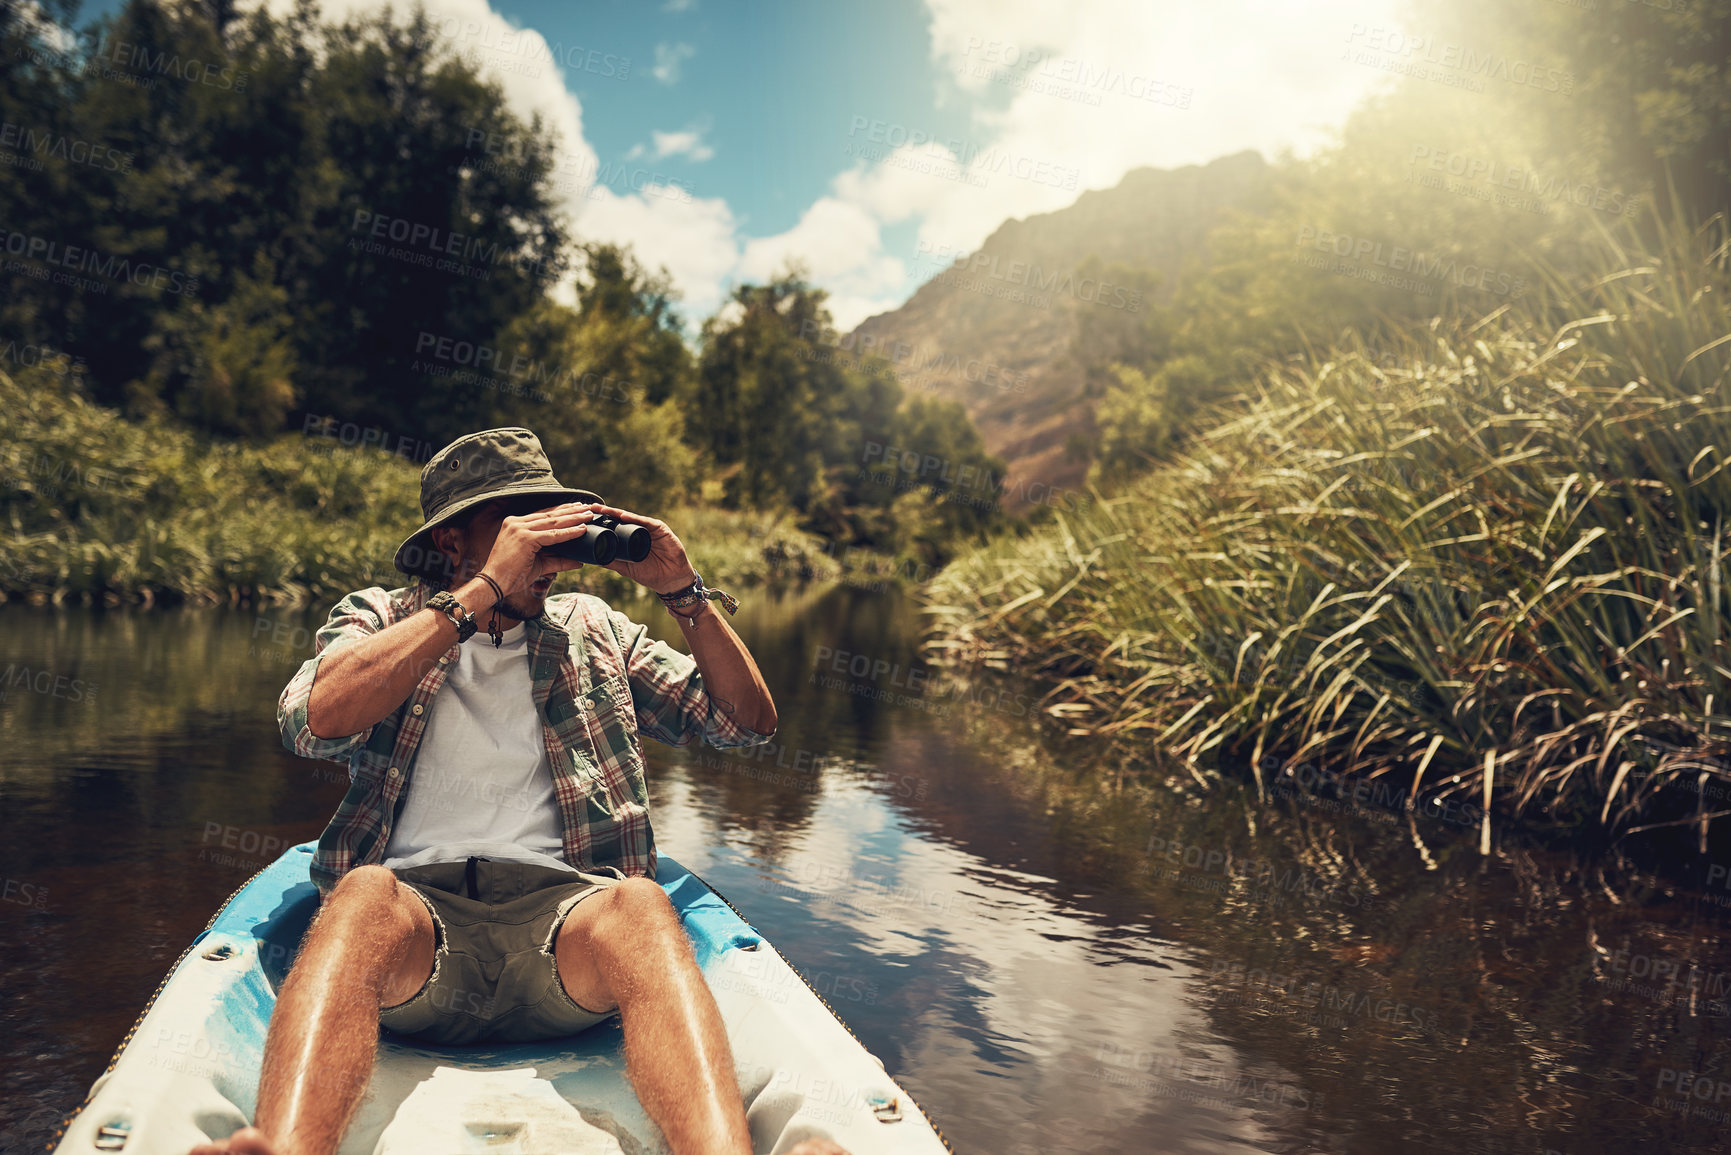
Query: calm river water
x,y
1048,959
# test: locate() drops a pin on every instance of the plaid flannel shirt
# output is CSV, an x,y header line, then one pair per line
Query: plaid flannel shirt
x,y
598,682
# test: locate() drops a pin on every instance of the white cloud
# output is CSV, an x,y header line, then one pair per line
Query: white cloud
x,y
688,144
840,248
1066,99
1095,90
668,59
694,238
1054,113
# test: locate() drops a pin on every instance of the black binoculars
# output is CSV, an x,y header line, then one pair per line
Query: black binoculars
x,y
603,540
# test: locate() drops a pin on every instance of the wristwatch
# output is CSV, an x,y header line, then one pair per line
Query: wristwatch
x,y
445,602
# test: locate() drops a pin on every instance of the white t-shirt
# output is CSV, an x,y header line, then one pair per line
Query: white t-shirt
x,y
482,783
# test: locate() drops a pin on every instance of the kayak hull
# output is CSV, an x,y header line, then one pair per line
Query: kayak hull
x,y
188,1071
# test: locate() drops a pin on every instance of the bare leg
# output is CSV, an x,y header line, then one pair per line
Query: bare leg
x,y
371,946
625,948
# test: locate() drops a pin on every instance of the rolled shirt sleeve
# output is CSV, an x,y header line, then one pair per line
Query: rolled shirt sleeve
x,y
357,616
668,694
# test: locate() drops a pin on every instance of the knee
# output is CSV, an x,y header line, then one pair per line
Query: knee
x,y
367,896
365,888
644,900
637,915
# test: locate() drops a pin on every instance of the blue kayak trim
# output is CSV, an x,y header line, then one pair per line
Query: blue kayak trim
x,y
245,952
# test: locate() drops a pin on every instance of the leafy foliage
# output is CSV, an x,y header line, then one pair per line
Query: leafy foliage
x,y
344,225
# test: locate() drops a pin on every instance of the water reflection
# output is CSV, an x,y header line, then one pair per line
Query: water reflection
x,y
1048,956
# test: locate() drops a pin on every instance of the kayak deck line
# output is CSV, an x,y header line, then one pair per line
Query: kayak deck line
x,y
187,1071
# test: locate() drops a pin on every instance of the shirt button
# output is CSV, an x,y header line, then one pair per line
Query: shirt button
x,y
418,709
393,772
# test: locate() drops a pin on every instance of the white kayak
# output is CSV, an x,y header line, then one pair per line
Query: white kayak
x,y
188,1070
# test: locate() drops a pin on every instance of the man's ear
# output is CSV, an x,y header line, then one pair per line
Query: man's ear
x,y
447,541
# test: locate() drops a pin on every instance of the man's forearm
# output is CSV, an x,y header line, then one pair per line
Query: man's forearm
x,y
730,676
364,681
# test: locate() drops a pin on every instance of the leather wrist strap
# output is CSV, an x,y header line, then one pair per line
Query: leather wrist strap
x,y
445,602
697,592
498,594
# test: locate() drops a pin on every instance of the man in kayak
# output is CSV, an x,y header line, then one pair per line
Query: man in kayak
x,y
490,874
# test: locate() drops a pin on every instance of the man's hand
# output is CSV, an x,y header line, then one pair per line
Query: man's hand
x,y
666,568
516,561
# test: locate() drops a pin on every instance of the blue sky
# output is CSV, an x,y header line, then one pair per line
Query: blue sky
x,y
872,140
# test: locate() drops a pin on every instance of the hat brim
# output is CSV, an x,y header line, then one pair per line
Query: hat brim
x,y
419,557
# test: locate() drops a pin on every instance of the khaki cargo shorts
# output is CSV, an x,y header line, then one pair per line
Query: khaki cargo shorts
x,y
494,976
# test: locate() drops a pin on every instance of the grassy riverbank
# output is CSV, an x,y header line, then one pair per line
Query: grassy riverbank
x,y
1488,562
97,508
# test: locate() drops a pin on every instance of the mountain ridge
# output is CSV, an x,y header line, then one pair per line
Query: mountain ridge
x,y
997,329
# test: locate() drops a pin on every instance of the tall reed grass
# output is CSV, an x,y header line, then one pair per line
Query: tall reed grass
x,y
1495,569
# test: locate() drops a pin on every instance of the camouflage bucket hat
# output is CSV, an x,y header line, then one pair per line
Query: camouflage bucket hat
x,y
472,470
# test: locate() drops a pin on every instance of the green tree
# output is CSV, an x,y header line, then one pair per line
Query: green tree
x,y
603,384
233,363
351,157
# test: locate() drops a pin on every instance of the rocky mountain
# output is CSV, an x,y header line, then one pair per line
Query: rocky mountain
x,y
999,329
